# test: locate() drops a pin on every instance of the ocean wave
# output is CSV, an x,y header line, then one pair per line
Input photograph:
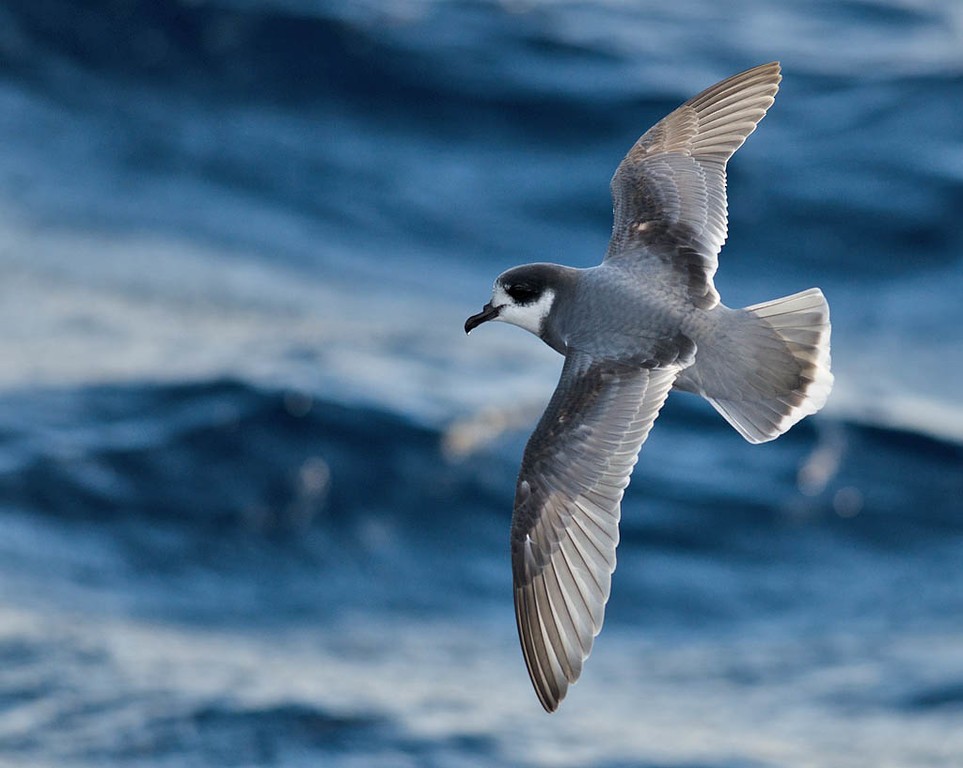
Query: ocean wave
x,y
229,455
222,454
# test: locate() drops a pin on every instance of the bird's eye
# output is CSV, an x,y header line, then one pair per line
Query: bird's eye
x,y
523,294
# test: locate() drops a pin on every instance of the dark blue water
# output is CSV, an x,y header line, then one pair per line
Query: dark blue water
x,y
255,483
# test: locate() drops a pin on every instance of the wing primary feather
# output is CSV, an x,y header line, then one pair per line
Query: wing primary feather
x,y
547,623
536,657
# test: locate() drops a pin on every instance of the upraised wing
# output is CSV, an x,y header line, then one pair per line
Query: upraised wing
x,y
669,192
567,506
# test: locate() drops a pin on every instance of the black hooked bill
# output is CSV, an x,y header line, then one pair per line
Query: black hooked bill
x,y
488,313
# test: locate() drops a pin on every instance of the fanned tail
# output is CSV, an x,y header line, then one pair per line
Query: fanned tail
x,y
769,366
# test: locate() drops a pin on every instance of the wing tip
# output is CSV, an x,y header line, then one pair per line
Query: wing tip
x,y
551,685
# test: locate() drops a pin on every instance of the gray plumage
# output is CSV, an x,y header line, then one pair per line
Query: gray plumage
x,y
644,321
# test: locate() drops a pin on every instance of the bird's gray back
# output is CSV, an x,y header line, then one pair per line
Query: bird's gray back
x,y
611,313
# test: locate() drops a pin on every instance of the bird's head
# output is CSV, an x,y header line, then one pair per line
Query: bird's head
x,y
522,296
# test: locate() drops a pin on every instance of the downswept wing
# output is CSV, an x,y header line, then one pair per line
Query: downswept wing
x,y
567,506
669,192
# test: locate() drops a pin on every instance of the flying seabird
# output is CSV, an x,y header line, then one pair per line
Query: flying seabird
x,y
646,320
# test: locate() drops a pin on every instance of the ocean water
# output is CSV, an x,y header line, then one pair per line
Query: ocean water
x,y
255,482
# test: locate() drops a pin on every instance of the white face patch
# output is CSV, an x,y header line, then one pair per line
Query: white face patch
x,y
527,316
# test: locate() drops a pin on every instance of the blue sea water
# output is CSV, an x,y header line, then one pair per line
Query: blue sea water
x,y
255,483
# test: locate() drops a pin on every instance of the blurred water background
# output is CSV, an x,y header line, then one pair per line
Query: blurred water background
x,y
255,483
